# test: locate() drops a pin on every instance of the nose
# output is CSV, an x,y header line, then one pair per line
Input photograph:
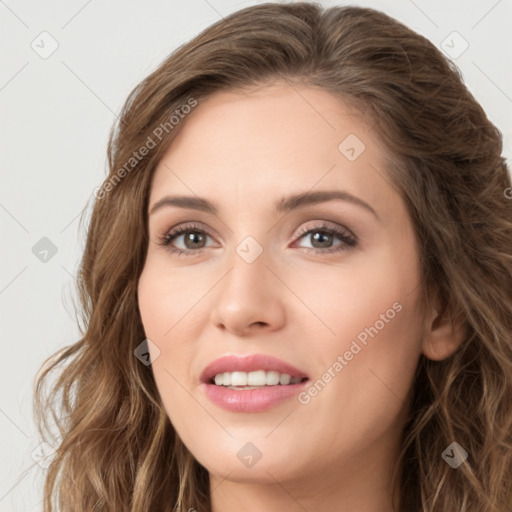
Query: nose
x,y
249,298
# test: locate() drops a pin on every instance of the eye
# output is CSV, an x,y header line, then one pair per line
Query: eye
x,y
322,236
194,239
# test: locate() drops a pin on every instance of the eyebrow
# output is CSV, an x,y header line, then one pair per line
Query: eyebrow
x,y
284,205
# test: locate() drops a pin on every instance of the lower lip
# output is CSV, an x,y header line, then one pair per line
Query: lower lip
x,y
251,400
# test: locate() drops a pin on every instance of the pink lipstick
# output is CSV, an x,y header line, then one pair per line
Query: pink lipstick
x,y
252,383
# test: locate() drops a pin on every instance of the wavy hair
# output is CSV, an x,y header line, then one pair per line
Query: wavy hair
x,y
117,450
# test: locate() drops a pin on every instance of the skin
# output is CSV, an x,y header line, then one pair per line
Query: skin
x,y
244,152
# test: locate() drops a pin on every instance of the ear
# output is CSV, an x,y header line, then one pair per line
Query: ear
x,y
444,332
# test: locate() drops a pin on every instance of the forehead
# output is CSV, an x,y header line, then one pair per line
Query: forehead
x,y
273,140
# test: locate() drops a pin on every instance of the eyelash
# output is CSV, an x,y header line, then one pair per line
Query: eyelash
x,y
349,241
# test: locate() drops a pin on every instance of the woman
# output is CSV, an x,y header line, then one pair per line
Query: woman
x,y
297,283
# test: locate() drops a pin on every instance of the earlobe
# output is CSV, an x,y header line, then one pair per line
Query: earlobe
x,y
444,334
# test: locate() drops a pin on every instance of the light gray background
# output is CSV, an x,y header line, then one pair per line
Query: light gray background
x,y
56,114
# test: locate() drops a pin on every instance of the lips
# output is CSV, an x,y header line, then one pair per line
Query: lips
x,y
248,364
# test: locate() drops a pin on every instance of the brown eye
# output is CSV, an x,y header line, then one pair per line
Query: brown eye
x,y
194,239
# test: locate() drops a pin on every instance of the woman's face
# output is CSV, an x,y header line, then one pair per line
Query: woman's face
x,y
272,263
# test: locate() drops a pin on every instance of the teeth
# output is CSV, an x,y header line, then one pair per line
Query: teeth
x,y
284,379
257,378
238,379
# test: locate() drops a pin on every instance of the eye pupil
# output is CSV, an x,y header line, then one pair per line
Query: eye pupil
x,y
193,236
324,239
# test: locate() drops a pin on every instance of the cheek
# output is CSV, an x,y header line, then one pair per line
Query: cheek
x,y
347,298
366,372
167,314
150,295
157,306
370,316
164,297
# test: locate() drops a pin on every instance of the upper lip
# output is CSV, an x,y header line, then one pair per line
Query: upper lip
x,y
248,364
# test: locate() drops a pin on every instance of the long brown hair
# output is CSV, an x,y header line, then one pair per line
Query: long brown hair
x,y
117,450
